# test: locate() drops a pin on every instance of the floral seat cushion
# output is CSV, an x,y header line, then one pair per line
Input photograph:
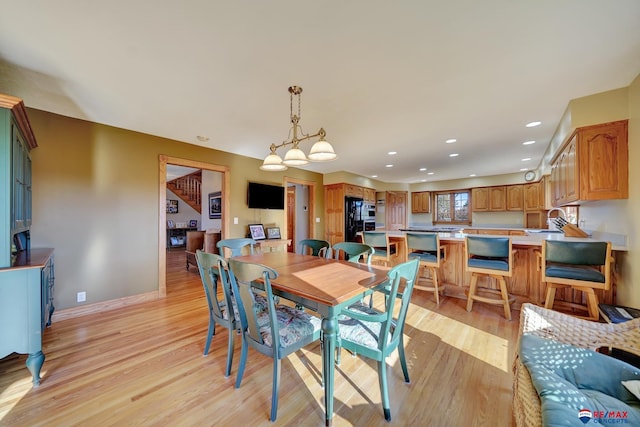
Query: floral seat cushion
x,y
293,325
359,331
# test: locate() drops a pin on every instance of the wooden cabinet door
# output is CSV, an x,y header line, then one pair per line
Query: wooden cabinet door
x,y
369,195
603,155
353,190
571,172
396,210
515,197
334,213
480,199
497,198
420,202
532,196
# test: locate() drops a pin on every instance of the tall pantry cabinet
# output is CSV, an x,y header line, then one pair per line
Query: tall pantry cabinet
x,y
26,274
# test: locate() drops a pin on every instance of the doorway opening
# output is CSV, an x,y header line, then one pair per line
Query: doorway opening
x,y
162,208
300,206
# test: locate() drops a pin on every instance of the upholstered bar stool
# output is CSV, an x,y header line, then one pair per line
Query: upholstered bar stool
x,y
493,257
583,266
426,248
384,249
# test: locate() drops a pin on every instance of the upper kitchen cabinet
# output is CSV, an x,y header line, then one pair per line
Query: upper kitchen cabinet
x,y
592,165
534,196
369,195
420,202
515,197
489,199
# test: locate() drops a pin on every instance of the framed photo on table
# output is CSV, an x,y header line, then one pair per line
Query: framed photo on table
x,y
193,223
257,231
273,233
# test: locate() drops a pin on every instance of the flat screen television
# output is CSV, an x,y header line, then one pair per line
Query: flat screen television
x,y
265,196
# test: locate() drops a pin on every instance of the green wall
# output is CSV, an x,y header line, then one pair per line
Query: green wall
x,y
96,201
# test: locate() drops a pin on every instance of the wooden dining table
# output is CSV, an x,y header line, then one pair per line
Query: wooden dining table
x,y
325,286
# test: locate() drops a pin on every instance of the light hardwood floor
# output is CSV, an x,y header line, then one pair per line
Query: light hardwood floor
x,y
143,366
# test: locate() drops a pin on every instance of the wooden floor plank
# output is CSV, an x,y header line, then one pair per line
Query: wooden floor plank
x,y
143,365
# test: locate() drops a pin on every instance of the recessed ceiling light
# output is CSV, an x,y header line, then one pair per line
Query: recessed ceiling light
x,y
391,153
528,142
423,180
526,159
454,155
388,166
473,174
374,176
451,140
423,169
430,173
523,169
202,138
533,124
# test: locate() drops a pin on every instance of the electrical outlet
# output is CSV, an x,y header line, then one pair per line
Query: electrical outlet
x,y
81,297
235,220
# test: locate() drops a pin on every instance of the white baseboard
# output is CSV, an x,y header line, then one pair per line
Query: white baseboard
x,y
99,307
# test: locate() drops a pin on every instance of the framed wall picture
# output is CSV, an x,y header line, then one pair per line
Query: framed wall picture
x,y
193,223
257,231
215,205
273,233
172,206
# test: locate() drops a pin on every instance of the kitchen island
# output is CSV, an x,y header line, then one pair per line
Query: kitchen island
x,y
525,285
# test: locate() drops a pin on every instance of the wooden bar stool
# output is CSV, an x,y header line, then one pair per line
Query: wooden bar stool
x,y
426,248
583,266
493,257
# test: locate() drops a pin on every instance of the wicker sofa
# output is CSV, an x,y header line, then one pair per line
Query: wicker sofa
x,y
544,323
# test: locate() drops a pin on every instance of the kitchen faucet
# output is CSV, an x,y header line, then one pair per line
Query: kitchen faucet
x,y
550,222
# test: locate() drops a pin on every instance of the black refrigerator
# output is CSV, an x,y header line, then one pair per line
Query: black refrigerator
x,y
353,221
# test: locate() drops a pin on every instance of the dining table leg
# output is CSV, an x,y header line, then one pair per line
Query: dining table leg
x,y
329,333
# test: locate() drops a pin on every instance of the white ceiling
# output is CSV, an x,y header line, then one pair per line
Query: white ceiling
x,y
377,75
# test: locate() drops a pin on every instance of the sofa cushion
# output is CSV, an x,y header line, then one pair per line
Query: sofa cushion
x,y
577,384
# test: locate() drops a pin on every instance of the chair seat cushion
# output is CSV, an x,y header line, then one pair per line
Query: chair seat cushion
x,y
575,273
361,332
294,325
490,263
261,305
423,256
574,382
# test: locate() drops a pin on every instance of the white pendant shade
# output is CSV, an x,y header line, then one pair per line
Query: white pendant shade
x,y
273,162
295,157
322,151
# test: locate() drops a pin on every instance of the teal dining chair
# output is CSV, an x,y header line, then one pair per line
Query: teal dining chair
x,y
236,246
214,278
315,247
376,334
277,331
426,248
352,251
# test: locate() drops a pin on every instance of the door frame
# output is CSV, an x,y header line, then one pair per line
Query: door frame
x,y
163,160
311,208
